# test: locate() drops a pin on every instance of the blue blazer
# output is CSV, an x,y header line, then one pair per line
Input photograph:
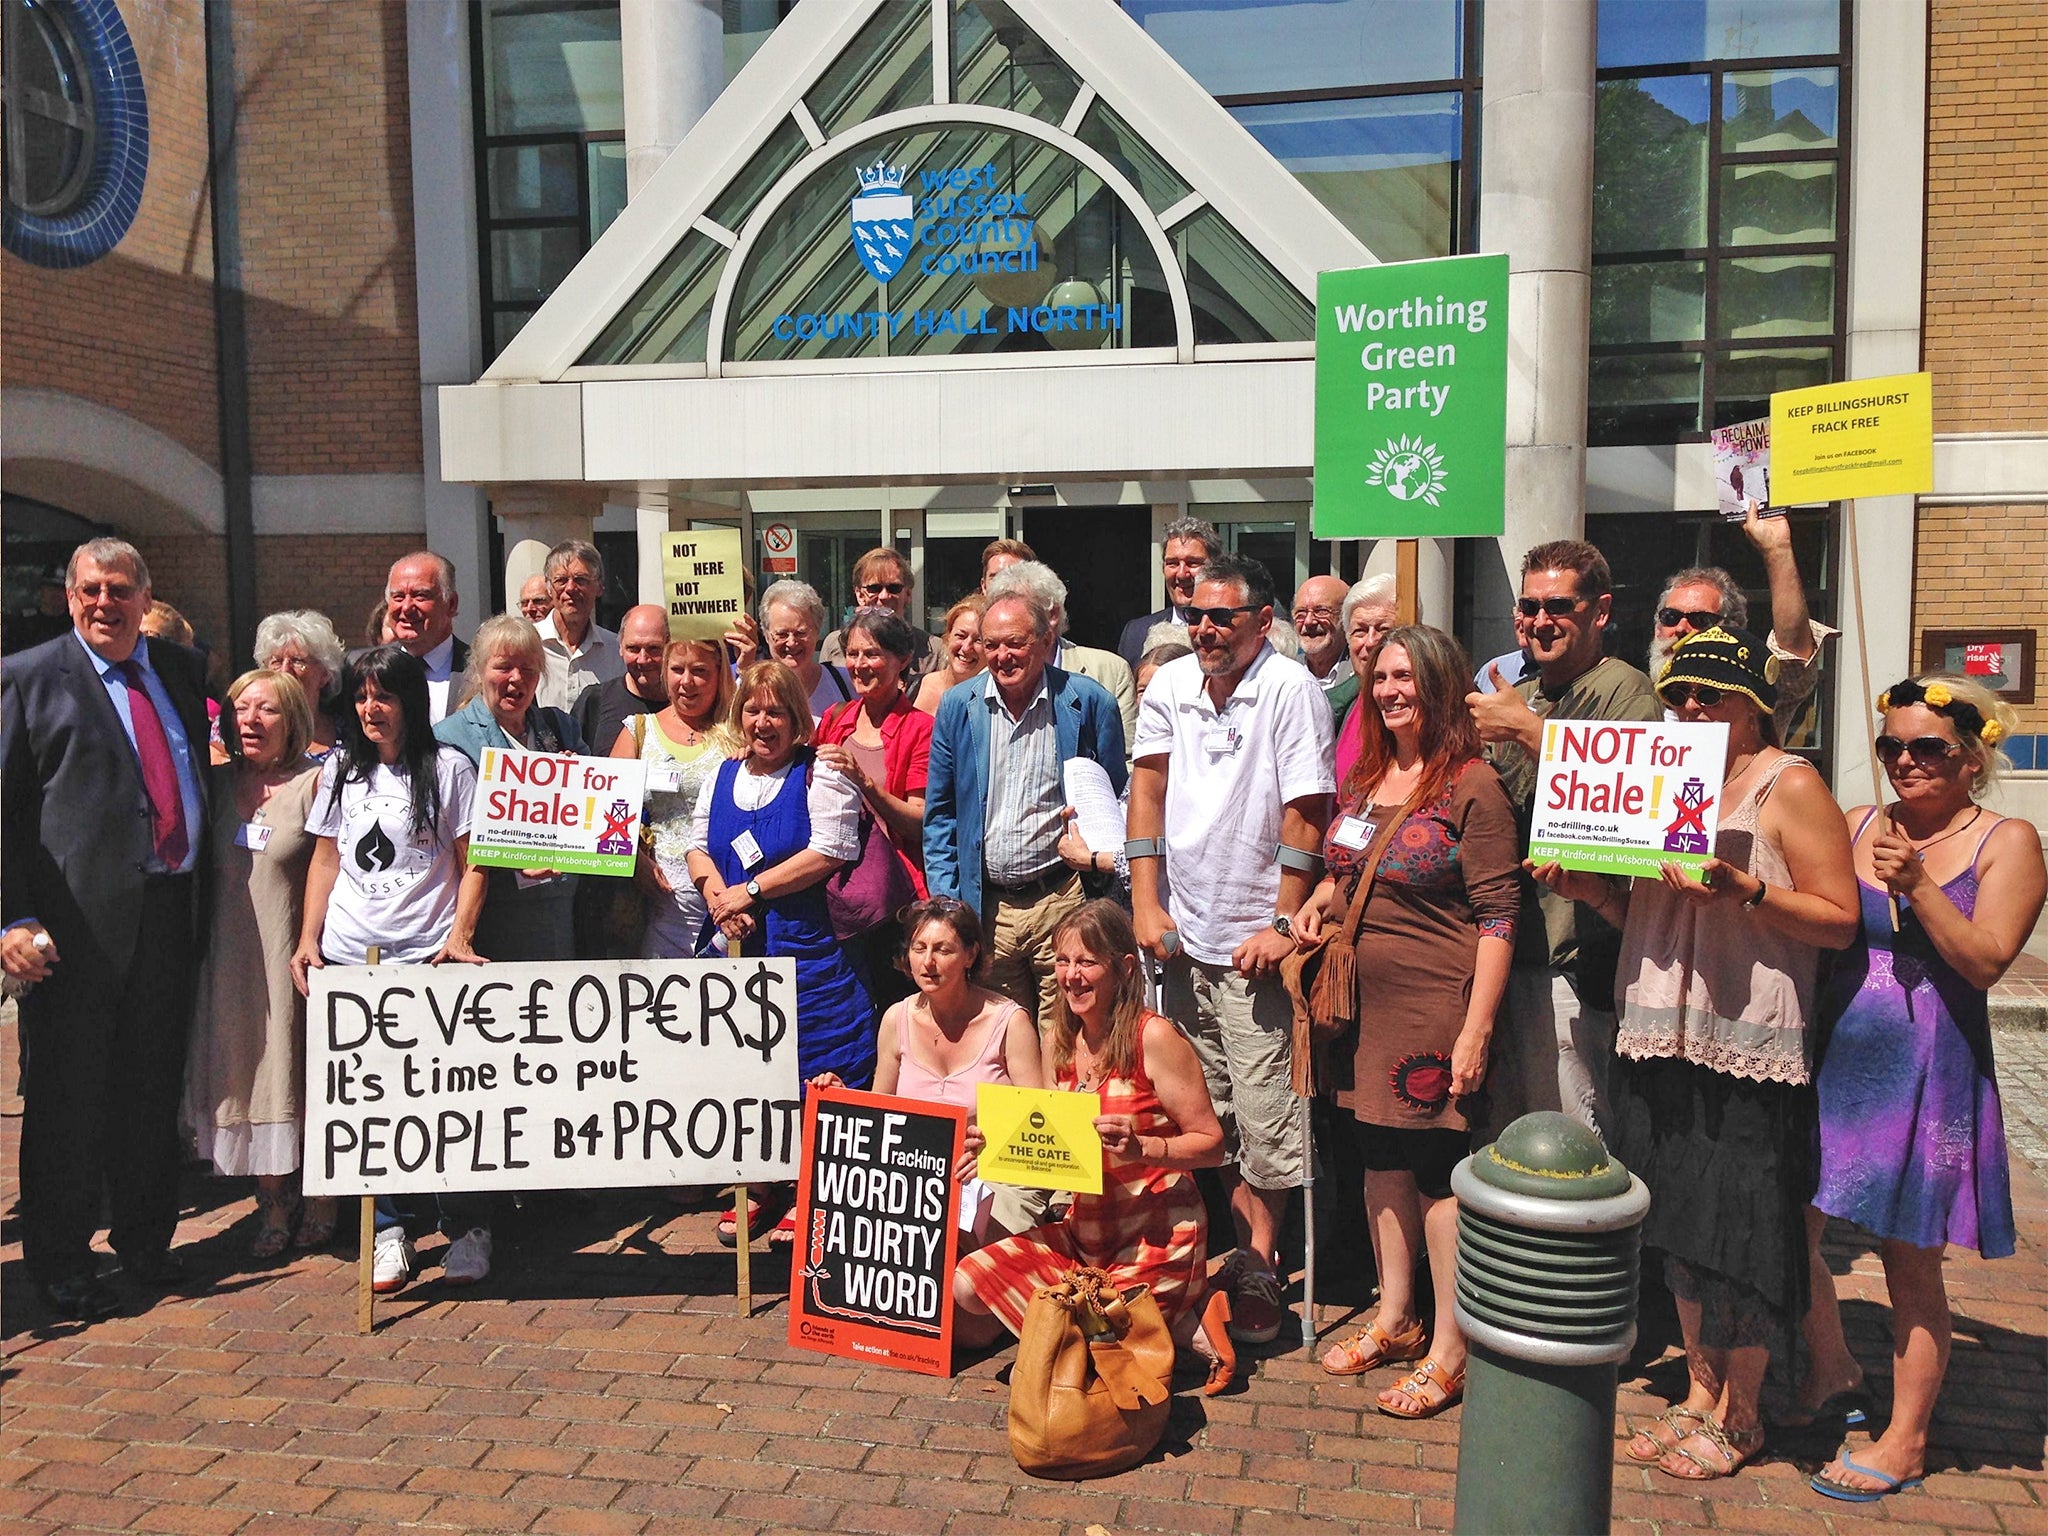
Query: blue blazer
x,y
956,792
473,727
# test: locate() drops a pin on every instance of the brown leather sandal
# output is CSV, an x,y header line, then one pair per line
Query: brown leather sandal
x,y
1216,1329
1429,1386
1350,1357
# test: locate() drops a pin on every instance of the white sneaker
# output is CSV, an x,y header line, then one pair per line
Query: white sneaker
x,y
391,1262
469,1257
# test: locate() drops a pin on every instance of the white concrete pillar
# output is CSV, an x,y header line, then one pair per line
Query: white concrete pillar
x,y
1536,204
673,53
650,527
1432,576
538,517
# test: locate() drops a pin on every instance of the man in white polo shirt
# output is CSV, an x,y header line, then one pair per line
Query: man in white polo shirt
x,y
1231,789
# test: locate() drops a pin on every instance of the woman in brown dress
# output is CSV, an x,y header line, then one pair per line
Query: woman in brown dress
x,y
1434,945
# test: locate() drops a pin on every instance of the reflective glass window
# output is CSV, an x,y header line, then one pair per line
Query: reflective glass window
x,y
605,170
526,264
533,180
1000,62
1777,296
778,152
1639,32
1776,110
1745,381
552,65
1388,166
1115,140
887,66
747,25
1244,47
670,316
1778,203
1643,397
1638,301
1236,294
1650,163
973,241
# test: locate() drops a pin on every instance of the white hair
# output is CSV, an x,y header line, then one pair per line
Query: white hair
x,y
1031,578
791,593
310,631
1376,591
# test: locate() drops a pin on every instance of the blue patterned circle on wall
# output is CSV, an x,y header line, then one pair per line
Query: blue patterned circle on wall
x,y
77,127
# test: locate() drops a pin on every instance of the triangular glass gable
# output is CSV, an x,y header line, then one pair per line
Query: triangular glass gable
x,y
1020,215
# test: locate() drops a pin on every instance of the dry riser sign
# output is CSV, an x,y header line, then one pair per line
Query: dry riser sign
x,y
1411,399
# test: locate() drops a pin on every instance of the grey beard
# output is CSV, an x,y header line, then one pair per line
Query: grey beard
x,y
1660,655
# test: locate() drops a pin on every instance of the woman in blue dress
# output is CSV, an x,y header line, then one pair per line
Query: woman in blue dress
x,y
1912,1143
770,828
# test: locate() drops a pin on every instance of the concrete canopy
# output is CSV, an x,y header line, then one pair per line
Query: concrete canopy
x,y
544,412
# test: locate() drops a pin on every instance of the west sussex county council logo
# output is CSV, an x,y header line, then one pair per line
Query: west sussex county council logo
x,y
1408,469
881,216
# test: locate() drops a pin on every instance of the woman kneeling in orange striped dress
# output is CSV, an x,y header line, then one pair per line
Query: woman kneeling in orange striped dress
x,y
1148,1226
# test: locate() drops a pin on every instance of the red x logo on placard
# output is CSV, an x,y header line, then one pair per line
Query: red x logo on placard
x,y
1692,816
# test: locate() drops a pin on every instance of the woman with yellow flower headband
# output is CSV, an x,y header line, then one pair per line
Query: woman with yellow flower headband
x,y
1912,1143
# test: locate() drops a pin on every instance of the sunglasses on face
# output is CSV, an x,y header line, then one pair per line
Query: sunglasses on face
x,y
1670,618
1678,695
1556,607
1926,751
1222,618
874,588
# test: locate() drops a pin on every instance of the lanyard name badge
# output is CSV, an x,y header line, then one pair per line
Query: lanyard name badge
x,y
1352,832
254,835
748,851
665,778
1221,741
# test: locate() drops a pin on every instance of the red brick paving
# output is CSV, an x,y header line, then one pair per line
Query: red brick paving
x,y
601,1383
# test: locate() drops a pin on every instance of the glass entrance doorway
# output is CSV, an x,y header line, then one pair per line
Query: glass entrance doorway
x,y
1104,555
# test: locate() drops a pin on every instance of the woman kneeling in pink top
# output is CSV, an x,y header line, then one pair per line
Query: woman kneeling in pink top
x,y
952,1035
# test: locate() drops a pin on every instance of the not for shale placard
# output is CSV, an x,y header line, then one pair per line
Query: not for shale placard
x,y
1623,797
1040,1138
556,810
876,1234
601,1074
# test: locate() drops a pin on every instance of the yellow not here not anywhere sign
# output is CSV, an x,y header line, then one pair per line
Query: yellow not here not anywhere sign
x,y
1040,1138
1868,437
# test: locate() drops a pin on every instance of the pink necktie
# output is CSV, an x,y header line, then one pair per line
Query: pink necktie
x,y
159,773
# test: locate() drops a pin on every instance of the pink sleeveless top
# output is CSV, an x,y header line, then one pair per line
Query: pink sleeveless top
x,y
916,1081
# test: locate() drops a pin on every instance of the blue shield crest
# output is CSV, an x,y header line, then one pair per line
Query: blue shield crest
x,y
881,216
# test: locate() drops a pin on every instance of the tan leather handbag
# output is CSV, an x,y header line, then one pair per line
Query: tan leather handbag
x,y
1088,1394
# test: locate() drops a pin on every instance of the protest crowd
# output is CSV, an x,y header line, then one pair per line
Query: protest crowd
x,y
1792,1027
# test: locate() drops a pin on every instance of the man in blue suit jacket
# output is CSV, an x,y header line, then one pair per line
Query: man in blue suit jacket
x,y
992,818
103,794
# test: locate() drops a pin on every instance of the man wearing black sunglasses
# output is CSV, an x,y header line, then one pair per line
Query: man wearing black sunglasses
x,y
1705,596
881,579
1557,1029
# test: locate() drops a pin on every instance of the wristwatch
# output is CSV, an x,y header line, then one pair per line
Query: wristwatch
x,y
1753,902
1284,926
754,889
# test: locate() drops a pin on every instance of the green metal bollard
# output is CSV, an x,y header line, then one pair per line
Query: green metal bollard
x,y
1549,1230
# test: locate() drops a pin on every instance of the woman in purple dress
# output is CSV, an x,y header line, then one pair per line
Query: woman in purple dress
x,y
1912,1144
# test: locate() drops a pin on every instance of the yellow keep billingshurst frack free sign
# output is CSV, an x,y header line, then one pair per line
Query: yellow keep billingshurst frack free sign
x,y
1868,437
1040,1138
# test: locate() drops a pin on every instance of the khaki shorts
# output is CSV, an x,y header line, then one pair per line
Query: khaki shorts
x,y
1243,1032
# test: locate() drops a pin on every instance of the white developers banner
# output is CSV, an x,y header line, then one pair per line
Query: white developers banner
x,y
600,1074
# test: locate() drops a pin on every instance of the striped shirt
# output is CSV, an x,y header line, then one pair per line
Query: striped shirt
x,y
1021,826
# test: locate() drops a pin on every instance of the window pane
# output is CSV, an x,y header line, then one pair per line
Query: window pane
x,y
1643,399
1063,265
532,181
607,186
888,65
1777,296
505,324
669,317
1236,295
782,149
1000,62
552,66
1779,110
1102,130
1640,301
1650,164
1745,381
1781,204
1388,166
526,264
1240,46
1688,31
747,25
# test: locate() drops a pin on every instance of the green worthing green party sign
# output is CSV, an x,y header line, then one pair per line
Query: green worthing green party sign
x,y
1412,399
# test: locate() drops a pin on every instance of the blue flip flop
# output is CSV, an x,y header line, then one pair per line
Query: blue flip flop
x,y
1842,1491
